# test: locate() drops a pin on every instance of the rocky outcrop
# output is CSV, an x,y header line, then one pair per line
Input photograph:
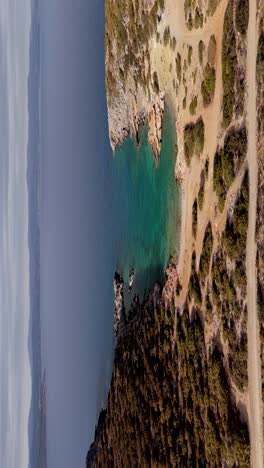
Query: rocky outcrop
x,y
172,284
131,279
155,125
126,115
119,301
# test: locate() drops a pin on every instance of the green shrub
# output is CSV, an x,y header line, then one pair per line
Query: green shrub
x,y
260,56
155,82
242,15
212,6
173,43
201,197
206,168
228,161
166,36
206,252
211,51
218,184
189,143
235,236
193,139
198,19
208,85
199,135
193,105
190,51
194,218
200,51
178,67
229,63
194,284
238,363
240,276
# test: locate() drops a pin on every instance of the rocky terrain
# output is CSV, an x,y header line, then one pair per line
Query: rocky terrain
x,y
133,93
118,301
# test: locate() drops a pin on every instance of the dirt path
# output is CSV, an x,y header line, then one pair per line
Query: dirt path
x,y
254,365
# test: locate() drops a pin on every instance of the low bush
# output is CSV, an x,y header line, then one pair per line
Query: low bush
x,y
208,85
228,161
194,217
211,51
173,43
260,56
238,364
178,67
212,6
193,105
206,252
199,135
194,284
166,36
206,168
242,15
198,19
235,236
193,139
200,52
189,58
229,63
155,82
201,197
189,143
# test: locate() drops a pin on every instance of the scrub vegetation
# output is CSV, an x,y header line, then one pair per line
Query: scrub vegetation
x,y
170,402
200,52
129,26
193,139
229,63
242,16
234,52
208,85
260,84
228,161
197,11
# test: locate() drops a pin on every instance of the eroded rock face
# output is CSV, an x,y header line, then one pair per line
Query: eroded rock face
x,y
172,284
155,125
119,301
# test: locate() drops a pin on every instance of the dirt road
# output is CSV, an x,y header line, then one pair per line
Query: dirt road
x,y
254,365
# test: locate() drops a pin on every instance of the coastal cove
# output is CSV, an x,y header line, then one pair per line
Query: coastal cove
x,y
147,203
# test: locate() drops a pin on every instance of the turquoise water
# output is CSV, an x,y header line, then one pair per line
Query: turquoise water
x,y
148,208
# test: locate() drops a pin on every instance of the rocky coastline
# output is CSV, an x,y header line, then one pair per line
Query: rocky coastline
x,y
125,121
118,301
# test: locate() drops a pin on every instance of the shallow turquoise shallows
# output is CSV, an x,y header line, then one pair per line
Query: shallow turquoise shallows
x,y
148,209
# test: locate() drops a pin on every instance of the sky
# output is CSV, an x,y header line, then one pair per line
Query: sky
x,y
15,376
77,254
